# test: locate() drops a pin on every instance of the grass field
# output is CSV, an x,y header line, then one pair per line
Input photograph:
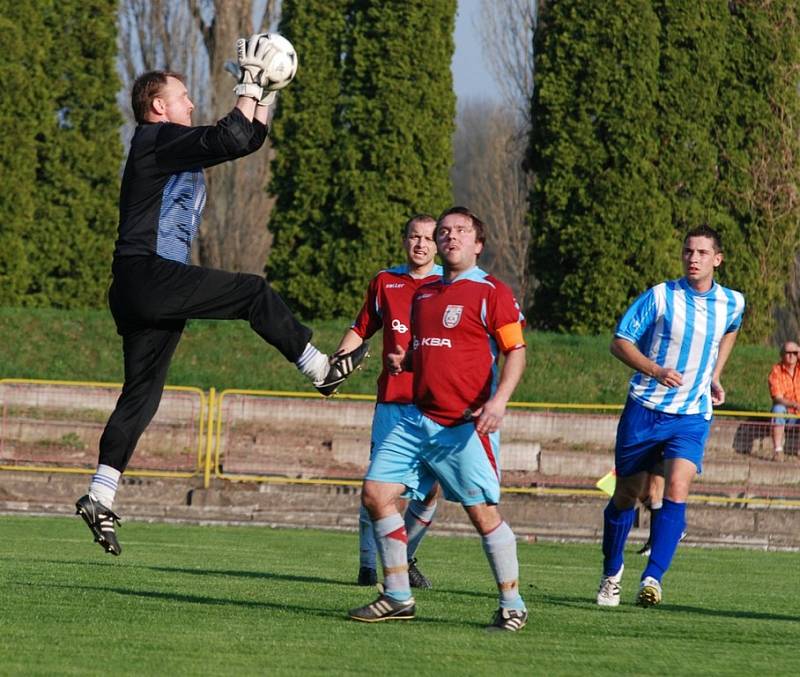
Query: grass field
x,y
247,600
82,345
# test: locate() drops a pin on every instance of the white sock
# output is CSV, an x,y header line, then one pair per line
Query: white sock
x,y
104,485
313,364
500,547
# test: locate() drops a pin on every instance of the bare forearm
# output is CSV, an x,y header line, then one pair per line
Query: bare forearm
x,y
263,114
350,341
510,375
627,353
247,106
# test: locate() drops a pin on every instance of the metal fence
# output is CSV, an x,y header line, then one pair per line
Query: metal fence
x,y
297,437
56,426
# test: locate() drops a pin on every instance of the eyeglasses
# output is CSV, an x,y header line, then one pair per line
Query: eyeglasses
x,y
791,352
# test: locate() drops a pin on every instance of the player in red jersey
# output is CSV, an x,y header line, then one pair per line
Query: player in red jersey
x,y
460,325
388,307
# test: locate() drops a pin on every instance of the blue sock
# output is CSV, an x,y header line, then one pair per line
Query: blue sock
x,y
668,526
367,548
616,527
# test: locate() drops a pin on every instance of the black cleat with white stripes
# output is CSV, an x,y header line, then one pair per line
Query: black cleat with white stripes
x,y
509,619
101,521
385,609
341,367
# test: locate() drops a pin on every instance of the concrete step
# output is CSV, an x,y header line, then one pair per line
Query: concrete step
x,y
533,517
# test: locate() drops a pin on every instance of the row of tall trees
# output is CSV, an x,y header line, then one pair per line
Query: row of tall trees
x,y
651,116
60,152
647,117
363,141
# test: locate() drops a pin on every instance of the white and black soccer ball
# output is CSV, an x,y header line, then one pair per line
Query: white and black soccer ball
x,y
282,68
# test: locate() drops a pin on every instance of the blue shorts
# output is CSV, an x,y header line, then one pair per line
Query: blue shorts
x,y
418,451
646,436
386,417
780,409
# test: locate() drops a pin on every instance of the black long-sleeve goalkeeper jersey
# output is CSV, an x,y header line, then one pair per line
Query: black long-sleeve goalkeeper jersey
x,y
163,189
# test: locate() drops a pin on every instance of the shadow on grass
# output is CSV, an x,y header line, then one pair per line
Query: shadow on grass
x,y
587,604
207,600
265,575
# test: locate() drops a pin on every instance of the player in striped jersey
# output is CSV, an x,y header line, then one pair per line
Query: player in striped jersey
x,y
388,307
678,336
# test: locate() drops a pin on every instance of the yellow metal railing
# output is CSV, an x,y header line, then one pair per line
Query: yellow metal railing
x,y
204,411
210,421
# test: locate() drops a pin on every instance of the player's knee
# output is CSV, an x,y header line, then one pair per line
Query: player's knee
x,y
677,490
627,493
485,518
378,499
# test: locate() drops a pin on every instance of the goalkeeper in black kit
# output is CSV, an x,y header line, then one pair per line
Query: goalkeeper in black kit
x,y
155,289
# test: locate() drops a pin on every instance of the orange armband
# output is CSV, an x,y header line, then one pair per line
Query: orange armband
x,y
509,337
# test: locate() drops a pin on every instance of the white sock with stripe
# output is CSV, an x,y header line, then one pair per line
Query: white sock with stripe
x,y
104,485
313,364
390,534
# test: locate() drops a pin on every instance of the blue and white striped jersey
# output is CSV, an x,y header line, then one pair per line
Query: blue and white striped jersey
x,y
680,328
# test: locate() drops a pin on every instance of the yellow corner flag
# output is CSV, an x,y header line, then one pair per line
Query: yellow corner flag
x,y
608,482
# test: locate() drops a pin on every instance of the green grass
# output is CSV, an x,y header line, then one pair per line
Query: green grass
x,y
83,345
190,600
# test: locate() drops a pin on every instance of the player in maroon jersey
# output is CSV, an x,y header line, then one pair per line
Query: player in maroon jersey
x,y
460,325
388,307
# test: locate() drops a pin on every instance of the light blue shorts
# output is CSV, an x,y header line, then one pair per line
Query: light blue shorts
x,y
387,415
418,451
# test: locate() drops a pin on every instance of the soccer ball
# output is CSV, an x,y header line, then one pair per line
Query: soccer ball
x,y
282,68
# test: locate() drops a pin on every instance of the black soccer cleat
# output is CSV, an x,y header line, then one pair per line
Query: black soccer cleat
x,y
342,366
101,521
511,620
384,609
367,576
415,577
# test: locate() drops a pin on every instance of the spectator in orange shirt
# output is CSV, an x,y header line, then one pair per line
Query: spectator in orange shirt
x,y
784,387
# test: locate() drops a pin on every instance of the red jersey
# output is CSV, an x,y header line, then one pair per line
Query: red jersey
x,y
388,306
459,330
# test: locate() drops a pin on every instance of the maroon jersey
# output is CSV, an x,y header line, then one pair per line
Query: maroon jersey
x,y
388,306
459,329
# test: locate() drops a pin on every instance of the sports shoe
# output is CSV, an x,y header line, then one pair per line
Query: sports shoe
x,y
608,592
645,550
649,592
509,619
367,576
101,521
385,609
415,577
341,367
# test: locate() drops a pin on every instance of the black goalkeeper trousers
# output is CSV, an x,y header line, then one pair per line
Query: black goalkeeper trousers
x,y
151,298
